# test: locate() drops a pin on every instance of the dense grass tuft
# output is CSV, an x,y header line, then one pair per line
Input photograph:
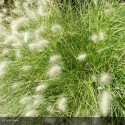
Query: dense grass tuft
x,y
61,60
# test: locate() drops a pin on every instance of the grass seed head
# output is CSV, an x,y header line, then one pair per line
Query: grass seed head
x,y
26,68
94,78
62,104
56,28
42,11
105,102
81,57
38,99
16,85
54,58
105,78
26,100
26,36
94,38
15,24
3,68
101,36
38,46
50,109
31,113
54,71
41,87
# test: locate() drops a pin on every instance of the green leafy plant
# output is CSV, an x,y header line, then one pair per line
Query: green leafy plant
x,y
62,61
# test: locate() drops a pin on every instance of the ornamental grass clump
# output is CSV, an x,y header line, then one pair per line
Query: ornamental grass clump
x,y
62,61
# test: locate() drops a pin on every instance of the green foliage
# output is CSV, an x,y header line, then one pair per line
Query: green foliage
x,y
72,34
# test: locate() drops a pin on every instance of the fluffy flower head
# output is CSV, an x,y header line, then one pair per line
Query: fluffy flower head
x,y
25,68
26,100
3,68
54,58
54,71
105,102
31,113
105,78
38,46
81,57
62,103
41,87
56,28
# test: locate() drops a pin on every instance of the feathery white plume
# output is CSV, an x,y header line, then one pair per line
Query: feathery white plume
x,y
42,11
50,109
105,78
38,99
94,78
26,36
3,68
105,103
31,113
94,38
43,2
41,87
26,68
54,58
54,71
26,100
15,24
56,28
82,57
16,85
100,87
32,15
101,36
38,46
62,103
